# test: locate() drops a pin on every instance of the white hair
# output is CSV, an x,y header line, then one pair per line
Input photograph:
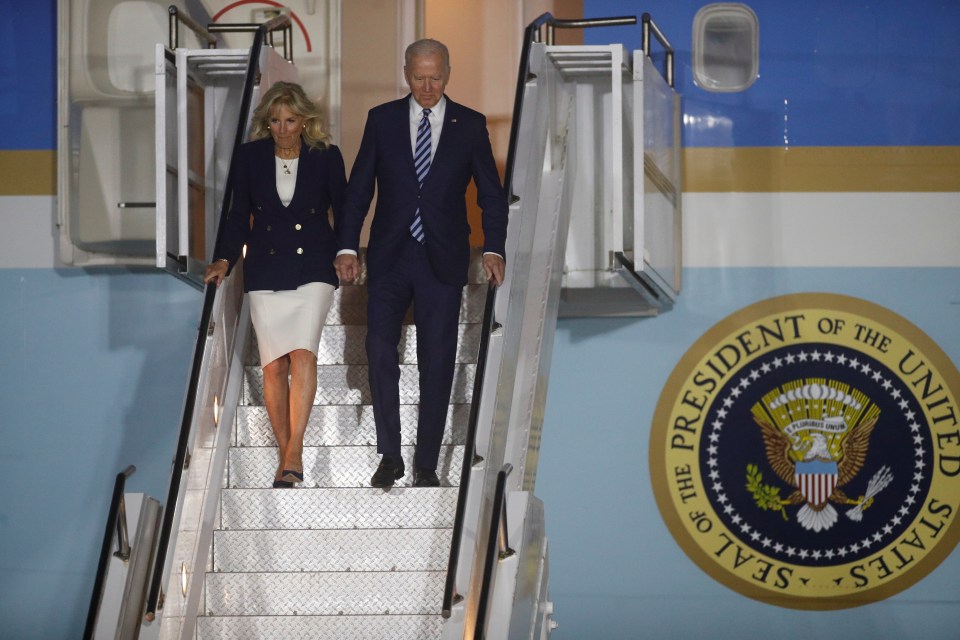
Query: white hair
x,y
426,47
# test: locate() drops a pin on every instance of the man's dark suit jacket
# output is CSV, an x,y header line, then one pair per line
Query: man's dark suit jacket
x,y
385,159
286,246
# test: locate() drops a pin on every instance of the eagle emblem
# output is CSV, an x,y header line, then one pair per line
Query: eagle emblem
x,y
816,434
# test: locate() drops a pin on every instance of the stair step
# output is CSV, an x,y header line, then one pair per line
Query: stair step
x,y
346,344
256,467
320,593
346,425
331,550
399,507
394,627
349,385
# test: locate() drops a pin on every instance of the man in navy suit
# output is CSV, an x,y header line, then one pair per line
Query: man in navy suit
x,y
420,152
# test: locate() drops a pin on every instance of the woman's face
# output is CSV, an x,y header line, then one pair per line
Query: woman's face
x,y
285,126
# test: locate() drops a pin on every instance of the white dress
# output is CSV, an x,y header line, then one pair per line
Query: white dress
x,y
288,320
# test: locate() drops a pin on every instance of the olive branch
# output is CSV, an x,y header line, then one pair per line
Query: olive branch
x,y
766,496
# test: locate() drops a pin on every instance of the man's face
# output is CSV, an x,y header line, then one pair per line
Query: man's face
x,y
426,78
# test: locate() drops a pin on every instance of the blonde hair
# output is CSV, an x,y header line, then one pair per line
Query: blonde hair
x,y
292,96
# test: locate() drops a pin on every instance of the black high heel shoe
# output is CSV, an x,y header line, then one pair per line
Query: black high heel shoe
x,y
280,483
292,474
291,477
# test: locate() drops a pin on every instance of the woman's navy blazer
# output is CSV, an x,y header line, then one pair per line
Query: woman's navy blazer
x,y
286,246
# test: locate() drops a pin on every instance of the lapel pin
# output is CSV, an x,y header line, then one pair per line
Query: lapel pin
x,y
453,119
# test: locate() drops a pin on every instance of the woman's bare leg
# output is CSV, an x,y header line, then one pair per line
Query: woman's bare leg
x,y
276,396
303,389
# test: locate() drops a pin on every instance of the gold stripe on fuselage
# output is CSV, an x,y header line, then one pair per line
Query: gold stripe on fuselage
x,y
28,173
706,169
821,169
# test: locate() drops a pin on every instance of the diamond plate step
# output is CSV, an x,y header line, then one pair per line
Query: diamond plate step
x,y
345,425
345,344
299,594
394,627
255,467
331,550
399,507
349,384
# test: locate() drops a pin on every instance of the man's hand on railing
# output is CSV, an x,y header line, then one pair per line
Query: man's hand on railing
x,y
493,267
217,271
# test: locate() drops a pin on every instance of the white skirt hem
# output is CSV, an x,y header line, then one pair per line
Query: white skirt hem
x,y
285,321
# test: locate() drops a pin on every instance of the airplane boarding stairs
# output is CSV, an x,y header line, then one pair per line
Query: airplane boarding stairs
x,y
334,558
593,181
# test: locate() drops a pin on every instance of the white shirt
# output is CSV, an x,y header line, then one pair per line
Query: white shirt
x,y
436,123
286,179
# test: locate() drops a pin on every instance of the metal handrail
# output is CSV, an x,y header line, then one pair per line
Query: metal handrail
x,y
280,22
487,327
585,23
179,460
116,519
174,18
649,26
450,595
531,35
496,540
154,596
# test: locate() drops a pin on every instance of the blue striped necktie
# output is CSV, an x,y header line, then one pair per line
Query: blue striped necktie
x,y
421,162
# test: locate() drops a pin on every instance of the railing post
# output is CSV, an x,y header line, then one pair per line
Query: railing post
x,y
648,26
503,539
123,538
174,18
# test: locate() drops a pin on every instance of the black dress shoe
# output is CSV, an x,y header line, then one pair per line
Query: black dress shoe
x,y
425,478
388,471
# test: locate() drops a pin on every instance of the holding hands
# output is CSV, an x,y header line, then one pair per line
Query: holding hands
x,y
347,266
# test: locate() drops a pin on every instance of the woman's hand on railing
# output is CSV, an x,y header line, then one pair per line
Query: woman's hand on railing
x,y
217,271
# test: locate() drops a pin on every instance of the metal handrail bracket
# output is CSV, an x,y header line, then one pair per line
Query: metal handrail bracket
x,y
497,548
175,17
116,519
649,26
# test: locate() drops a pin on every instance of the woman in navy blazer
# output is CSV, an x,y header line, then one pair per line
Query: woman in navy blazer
x,y
285,182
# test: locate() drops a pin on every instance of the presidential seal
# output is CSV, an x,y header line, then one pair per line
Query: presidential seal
x,y
806,452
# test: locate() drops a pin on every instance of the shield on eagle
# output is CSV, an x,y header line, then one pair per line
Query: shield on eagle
x,y
816,480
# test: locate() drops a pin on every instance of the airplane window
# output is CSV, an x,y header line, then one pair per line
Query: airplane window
x,y
726,45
